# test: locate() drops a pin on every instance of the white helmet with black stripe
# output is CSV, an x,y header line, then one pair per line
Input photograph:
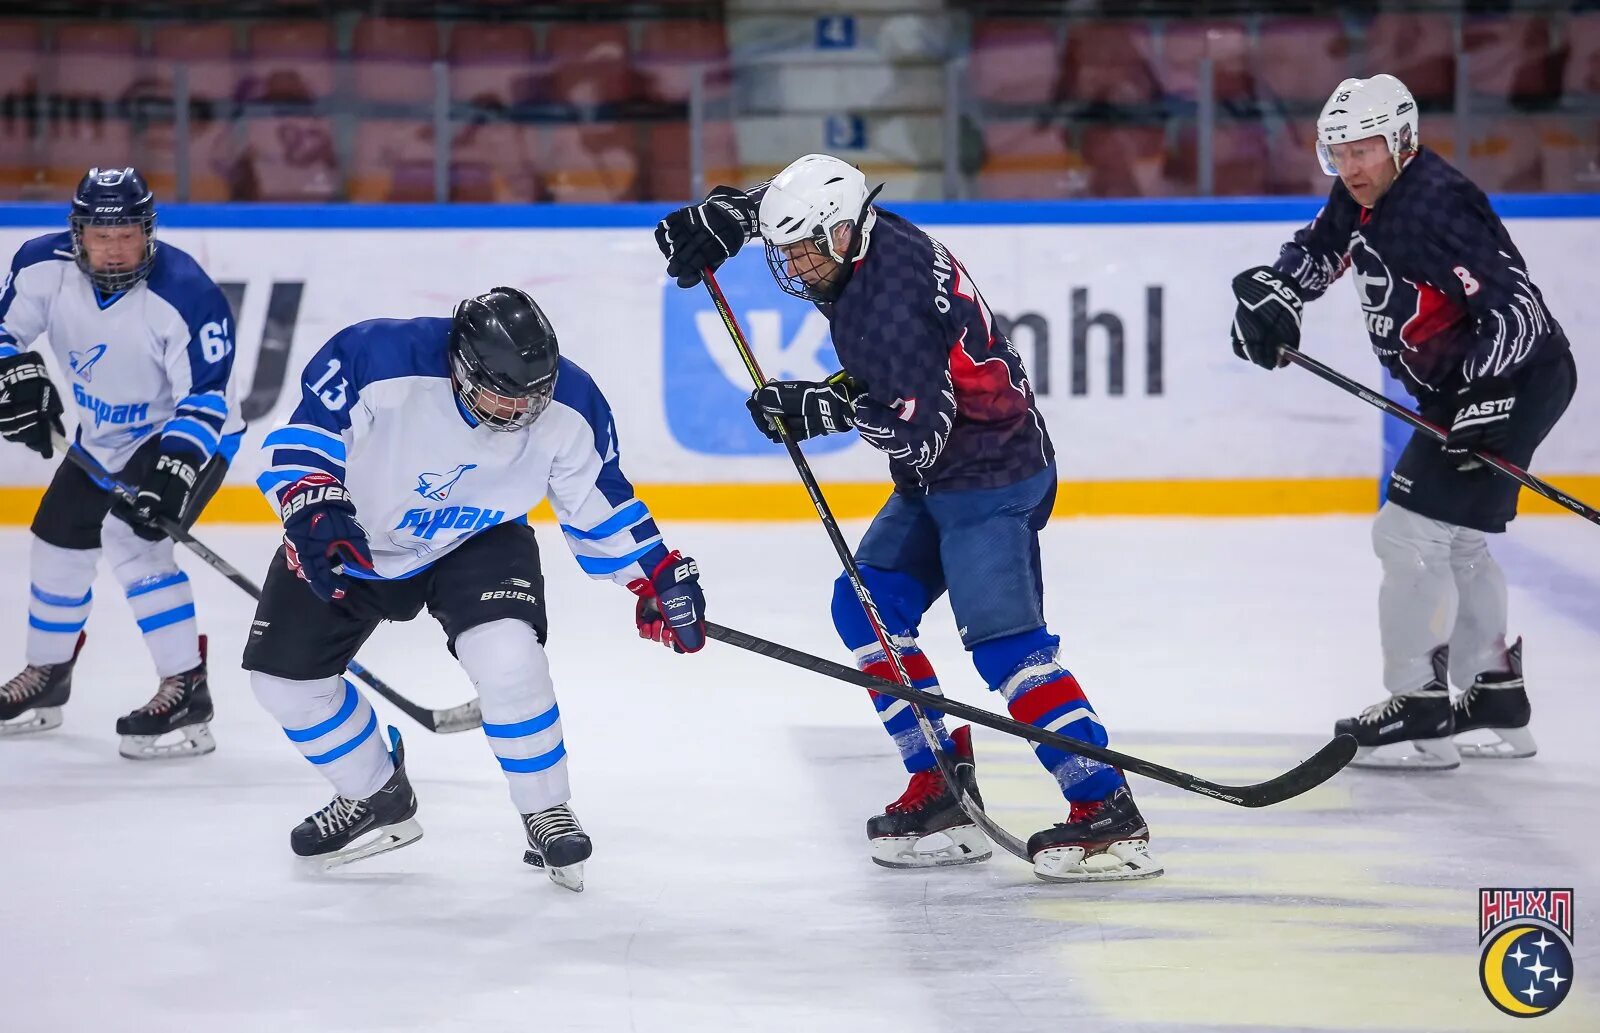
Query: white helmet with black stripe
x,y
1362,108
800,211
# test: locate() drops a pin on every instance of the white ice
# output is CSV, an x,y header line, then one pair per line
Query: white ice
x,y
726,795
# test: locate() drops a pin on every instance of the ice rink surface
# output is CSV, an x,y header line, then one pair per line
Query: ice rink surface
x,y
727,794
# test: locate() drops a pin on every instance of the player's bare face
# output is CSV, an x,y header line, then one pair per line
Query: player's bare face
x,y
1366,168
114,249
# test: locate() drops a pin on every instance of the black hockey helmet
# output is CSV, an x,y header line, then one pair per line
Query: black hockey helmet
x,y
503,357
113,197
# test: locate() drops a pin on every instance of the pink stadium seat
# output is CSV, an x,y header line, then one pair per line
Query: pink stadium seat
x,y
1022,160
288,159
21,50
1183,46
671,53
495,162
1111,62
1301,60
206,49
1126,161
291,60
393,59
1506,156
19,165
71,148
593,162
1569,149
1582,74
668,170
493,63
96,59
393,161
1292,165
212,156
1509,56
590,63
1014,61
1418,48
1239,161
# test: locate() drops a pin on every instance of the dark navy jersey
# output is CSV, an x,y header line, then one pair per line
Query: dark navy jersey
x,y
947,396
1447,295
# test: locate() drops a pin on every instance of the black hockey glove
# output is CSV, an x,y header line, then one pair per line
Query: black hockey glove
x,y
321,535
671,608
30,408
1268,316
808,409
703,236
1482,420
163,494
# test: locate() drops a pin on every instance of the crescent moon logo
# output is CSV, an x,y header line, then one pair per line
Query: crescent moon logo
x,y
1525,971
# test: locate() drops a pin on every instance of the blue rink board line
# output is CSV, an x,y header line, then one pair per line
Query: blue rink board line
x,y
637,216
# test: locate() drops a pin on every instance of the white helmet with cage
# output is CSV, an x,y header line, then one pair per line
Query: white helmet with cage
x,y
807,201
1362,108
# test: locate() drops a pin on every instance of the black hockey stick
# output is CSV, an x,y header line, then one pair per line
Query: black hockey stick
x,y
453,719
1305,776
1395,409
947,764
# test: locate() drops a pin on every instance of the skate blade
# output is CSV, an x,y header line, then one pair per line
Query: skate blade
x,y
390,837
1508,744
1416,755
1122,861
29,722
964,844
569,877
188,741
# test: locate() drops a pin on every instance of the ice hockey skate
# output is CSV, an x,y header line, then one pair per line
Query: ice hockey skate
x,y
176,721
32,701
558,844
1412,730
352,830
1101,841
1491,716
926,827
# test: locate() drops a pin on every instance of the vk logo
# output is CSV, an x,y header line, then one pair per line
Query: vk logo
x,y
437,486
705,382
82,363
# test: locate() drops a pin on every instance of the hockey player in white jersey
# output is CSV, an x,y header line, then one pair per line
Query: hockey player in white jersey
x,y
404,478
146,340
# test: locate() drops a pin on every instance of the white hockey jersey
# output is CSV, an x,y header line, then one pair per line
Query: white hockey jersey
x,y
155,358
380,413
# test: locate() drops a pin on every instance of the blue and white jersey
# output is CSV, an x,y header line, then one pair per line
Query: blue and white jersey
x,y
157,358
380,413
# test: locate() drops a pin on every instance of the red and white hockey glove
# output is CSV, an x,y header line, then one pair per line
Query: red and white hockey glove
x,y
671,608
320,534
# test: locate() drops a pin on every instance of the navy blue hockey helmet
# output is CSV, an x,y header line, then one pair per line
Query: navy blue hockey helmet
x,y
114,197
503,356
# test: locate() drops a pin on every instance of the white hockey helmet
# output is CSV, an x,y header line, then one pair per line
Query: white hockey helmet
x,y
807,201
1361,108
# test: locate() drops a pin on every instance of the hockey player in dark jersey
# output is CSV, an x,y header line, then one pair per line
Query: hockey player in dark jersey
x,y
1453,314
931,381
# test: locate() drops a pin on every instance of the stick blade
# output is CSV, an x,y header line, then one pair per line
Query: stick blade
x,y
1303,777
464,718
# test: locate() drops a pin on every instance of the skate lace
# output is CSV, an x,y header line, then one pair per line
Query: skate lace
x,y
1084,810
168,694
1467,699
30,682
552,823
925,785
339,815
1381,711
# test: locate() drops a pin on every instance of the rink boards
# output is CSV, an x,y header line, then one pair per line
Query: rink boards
x,y
1120,309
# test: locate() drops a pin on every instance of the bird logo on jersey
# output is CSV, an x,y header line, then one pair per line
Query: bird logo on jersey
x,y
437,486
82,363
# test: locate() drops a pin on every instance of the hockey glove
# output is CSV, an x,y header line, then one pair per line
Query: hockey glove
x,y
1268,316
671,608
703,236
30,409
1482,419
807,408
321,536
163,494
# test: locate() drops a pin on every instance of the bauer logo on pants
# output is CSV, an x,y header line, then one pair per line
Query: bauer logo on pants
x,y
1526,963
704,381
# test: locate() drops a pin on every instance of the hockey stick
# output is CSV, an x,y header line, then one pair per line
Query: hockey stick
x,y
1395,409
947,765
1305,776
453,719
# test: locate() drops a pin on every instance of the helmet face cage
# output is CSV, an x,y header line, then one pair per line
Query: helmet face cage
x,y
113,197
490,404
808,268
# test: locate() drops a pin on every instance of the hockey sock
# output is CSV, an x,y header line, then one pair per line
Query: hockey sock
x,y
1040,692
333,726
160,596
1478,641
1417,598
59,598
520,718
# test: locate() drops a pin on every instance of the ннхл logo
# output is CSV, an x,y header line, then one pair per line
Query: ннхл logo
x,y
1526,964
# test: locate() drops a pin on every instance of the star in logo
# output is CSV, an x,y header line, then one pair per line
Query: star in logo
x,y
1532,991
1555,980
